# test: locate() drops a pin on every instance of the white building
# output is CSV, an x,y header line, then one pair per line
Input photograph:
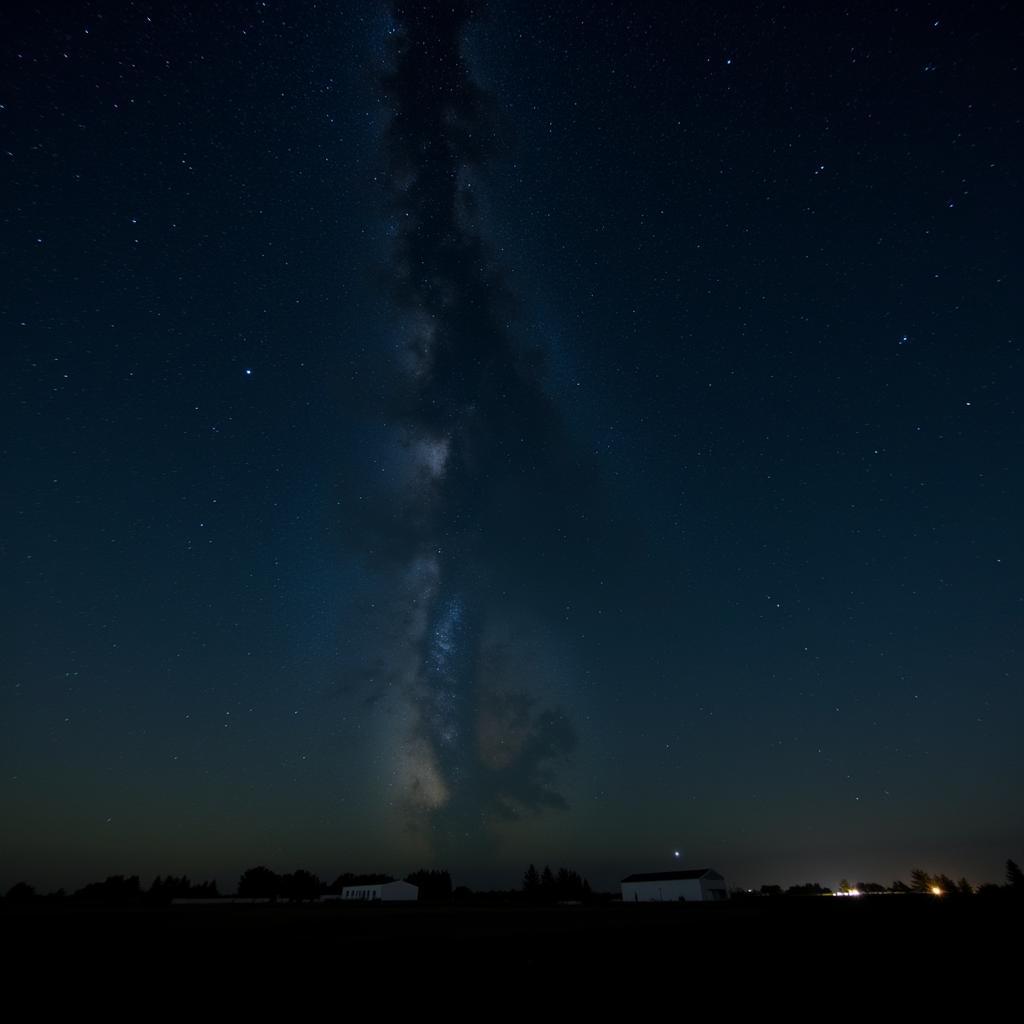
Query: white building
x,y
672,886
381,891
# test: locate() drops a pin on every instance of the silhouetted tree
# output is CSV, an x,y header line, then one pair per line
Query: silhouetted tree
x,y
117,890
547,885
21,892
1014,876
808,889
920,881
570,886
870,887
434,886
531,882
964,888
899,886
163,890
770,890
259,882
945,883
299,885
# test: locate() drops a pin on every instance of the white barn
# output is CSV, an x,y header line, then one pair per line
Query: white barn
x,y
381,891
673,886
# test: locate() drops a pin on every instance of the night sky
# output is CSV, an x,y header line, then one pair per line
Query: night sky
x,y
561,432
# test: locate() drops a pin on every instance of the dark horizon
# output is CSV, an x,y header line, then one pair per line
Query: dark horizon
x,y
482,881
602,877
472,435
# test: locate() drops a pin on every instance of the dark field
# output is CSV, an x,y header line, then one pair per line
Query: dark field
x,y
861,938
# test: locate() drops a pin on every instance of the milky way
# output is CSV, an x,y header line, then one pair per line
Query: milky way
x,y
479,438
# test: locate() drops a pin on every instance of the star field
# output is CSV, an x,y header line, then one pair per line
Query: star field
x,y
554,433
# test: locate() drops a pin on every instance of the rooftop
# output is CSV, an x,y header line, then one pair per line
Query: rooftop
x,y
673,876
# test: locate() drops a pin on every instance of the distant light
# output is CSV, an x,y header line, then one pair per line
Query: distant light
x,y
675,853
248,373
936,891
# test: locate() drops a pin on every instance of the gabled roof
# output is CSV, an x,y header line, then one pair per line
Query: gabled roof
x,y
675,876
380,885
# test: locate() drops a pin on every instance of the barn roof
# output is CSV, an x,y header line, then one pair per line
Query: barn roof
x,y
673,876
380,885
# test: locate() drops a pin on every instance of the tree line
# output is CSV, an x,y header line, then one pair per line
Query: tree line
x,y
255,883
548,887
921,882
122,890
261,882
435,886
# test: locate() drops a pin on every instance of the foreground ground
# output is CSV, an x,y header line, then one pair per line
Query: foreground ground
x,y
925,940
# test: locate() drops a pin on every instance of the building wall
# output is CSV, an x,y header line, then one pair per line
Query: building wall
x,y
399,891
361,892
662,892
714,889
381,891
672,890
